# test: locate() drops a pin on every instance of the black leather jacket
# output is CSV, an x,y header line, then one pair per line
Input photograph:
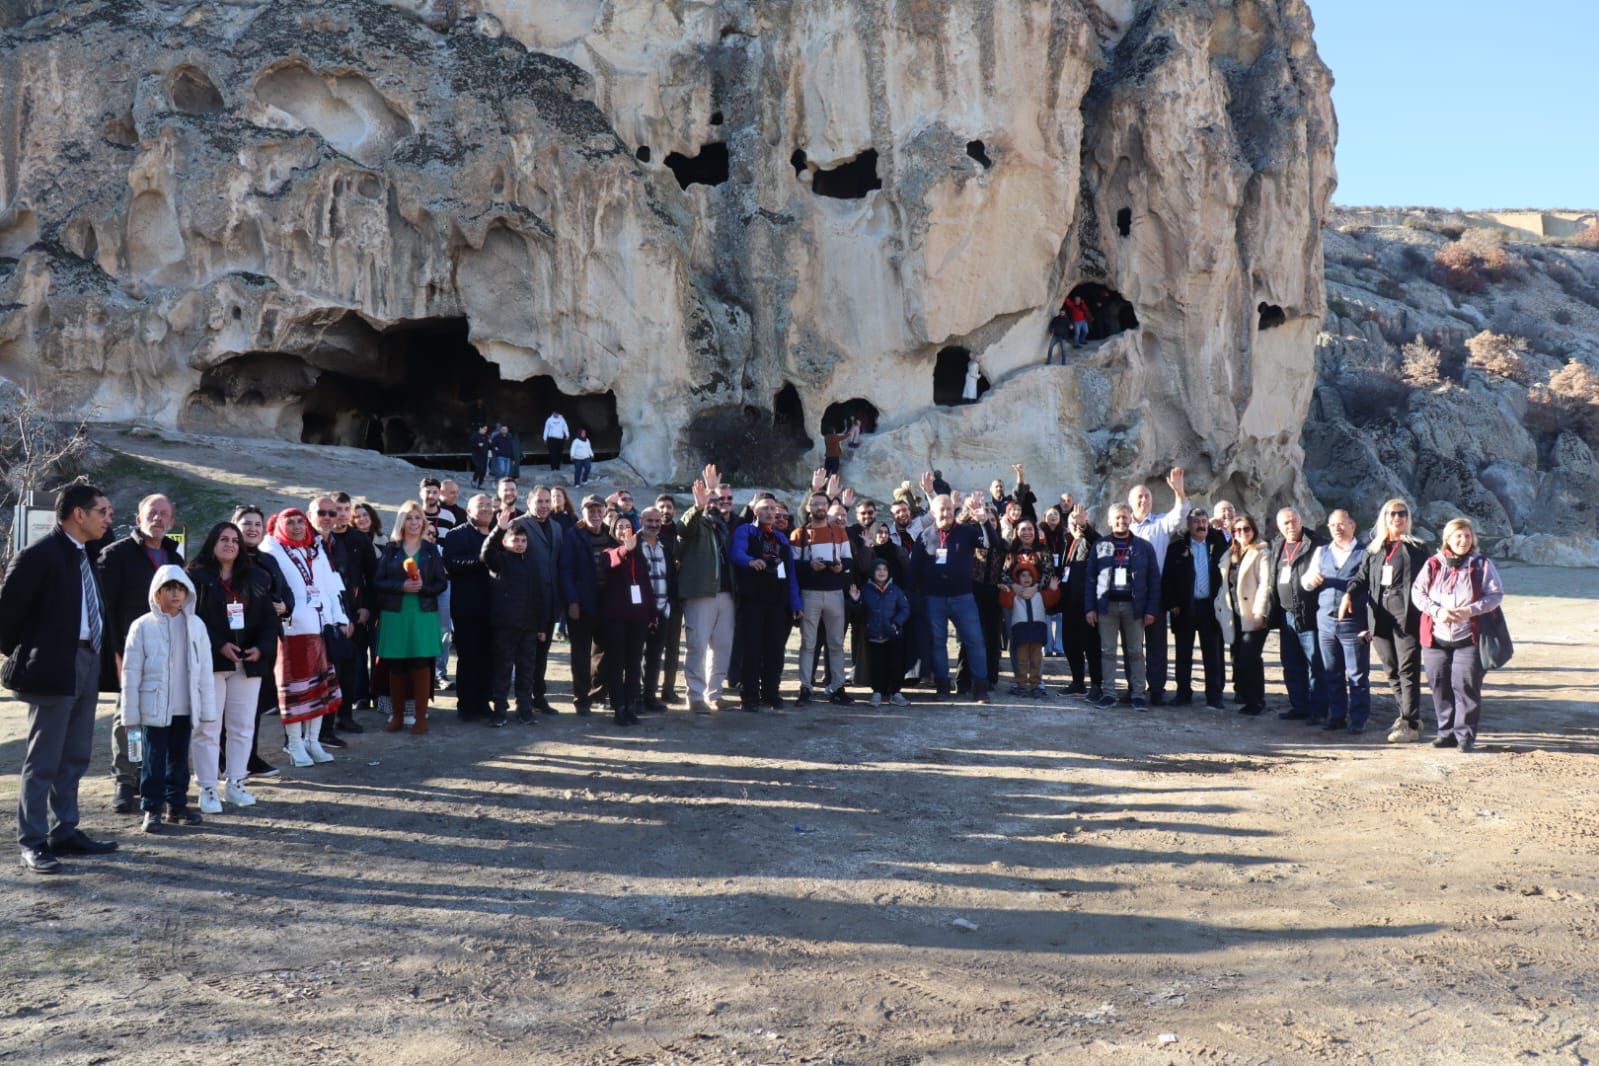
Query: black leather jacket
x,y
390,577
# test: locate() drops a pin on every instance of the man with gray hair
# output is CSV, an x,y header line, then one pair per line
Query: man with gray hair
x,y
1157,531
1294,612
1122,599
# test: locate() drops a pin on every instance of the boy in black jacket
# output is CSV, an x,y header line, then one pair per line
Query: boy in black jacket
x,y
519,615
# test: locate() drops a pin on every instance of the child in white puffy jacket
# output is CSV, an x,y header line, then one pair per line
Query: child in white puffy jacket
x,y
166,687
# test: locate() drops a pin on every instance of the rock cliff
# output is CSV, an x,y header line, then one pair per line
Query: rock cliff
x,y
704,228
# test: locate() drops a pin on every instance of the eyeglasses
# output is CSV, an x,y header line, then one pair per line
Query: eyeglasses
x,y
326,514
1243,529
1398,514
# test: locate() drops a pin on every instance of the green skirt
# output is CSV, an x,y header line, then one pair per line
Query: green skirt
x,y
410,632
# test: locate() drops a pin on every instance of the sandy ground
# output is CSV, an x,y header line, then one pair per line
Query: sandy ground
x,y
1177,886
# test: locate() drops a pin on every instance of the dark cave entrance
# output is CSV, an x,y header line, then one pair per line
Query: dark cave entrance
x,y
837,415
1271,316
978,151
848,181
433,389
788,419
949,376
1124,221
1109,311
710,167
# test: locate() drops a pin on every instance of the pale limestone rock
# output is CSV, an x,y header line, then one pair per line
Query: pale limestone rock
x,y
215,212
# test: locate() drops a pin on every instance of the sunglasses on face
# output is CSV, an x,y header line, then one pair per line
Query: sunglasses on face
x,y
1243,529
326,514
1398,514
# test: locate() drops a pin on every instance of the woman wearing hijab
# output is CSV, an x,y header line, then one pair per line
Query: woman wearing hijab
x,y
308,689
1454,590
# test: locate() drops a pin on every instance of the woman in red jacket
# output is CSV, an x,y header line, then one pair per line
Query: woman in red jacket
x,y
627,610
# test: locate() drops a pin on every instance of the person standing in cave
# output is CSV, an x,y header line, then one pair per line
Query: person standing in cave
x,y
477,451
556,434
974,371
1060,330
500,452
582,458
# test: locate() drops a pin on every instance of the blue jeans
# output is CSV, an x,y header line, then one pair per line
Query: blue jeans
x,y
1346,663
446,632
962,610
1302,674
500,466
1056,344
165,775
1080,333
1056,644
580,471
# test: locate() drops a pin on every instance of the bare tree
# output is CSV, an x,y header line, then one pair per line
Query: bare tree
x,y
36,451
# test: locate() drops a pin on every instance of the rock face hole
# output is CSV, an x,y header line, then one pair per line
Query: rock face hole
x,y
716,118
1109,312
1124,222
979,152
949,376
710,167
788,419
1271,316
642,154
430,388
849,181
797,161
837,415
193,93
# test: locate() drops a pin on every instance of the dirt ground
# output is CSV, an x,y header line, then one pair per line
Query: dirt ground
x,y
1179,886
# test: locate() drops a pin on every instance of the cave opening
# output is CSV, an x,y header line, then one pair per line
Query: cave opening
x,y
798,162
193,93
1271,316
716,118
979,152
1124,222
788,418
949,376
433,388
710,167
1109,312
836,418
849,181
642,154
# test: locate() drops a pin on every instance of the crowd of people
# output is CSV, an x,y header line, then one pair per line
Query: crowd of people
x,y
317,615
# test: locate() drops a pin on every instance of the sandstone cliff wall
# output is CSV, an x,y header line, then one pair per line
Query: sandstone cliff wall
x,y
268,218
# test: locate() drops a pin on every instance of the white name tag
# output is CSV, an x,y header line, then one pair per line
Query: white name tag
x,y
1387,574
1119,577
1285,576
782,572
313,597
235,616
942,556
638,596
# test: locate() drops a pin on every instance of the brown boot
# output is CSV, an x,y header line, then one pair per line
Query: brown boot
x,y
399,692
396,718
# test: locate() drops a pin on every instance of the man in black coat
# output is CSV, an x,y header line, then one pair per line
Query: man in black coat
x,y
53,630
544,544
1189,582
470,609
661,559
126,568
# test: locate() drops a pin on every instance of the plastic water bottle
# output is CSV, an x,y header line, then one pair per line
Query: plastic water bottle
x,y
136,744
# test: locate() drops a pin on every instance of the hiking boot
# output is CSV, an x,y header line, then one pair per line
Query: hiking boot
x,y
1404,733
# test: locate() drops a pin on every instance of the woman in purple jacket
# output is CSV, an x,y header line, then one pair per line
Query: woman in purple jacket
x,y
1455,588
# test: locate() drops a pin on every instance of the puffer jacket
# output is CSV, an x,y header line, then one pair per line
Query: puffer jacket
x,y
887,610
146,661
518,588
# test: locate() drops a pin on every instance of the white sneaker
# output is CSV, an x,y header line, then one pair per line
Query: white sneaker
x,y
209,804
238,796
898,699
877,699
1403,733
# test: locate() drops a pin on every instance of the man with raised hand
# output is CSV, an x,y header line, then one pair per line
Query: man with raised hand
x,y
941,571
705,581
1157,531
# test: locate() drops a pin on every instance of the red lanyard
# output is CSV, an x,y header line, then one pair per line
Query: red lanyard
x,y
1391,551
1290,556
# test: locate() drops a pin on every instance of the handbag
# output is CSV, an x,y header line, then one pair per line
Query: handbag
x,y
340,648
1494,646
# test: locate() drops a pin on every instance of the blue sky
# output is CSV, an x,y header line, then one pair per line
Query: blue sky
x,y
1464,103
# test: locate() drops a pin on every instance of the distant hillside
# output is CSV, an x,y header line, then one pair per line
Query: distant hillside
x,y
1459,368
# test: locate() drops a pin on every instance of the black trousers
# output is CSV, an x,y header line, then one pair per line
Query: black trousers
x,y
474,666
1249,672
586,639
624,660
1155,656
990,617
671,648
763,628
654,652
554,444
1401,657
1082,648
1197,619
513,650
886,666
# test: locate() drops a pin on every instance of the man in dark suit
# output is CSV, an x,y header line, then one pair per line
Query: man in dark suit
x,y
470,610
1189,583
544,545
53,629
661,561
126,568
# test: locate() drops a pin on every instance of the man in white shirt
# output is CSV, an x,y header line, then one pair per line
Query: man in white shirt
x,y
1158,530
556,434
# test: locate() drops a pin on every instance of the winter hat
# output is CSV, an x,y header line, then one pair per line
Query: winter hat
x,y
1021,568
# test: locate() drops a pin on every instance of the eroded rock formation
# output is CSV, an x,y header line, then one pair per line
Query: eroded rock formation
x,y
368,222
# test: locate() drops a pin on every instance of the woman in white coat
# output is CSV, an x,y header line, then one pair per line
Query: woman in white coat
x,y
308,688
1243,607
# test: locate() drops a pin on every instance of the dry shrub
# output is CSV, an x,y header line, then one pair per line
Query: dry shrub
x,y
1421,365
1568,403
1477,258
1587,238
1498,354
